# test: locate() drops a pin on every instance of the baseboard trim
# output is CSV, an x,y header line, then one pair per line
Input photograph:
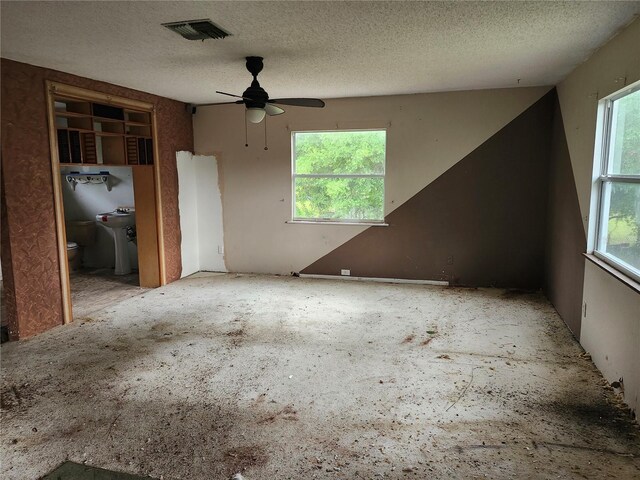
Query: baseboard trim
x,y
376,279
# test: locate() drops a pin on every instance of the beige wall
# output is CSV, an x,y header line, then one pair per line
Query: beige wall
x,y
611,330
427,135
611,326
613,66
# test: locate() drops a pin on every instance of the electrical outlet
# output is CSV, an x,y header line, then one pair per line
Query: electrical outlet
x,y
220,250
345,272
450,260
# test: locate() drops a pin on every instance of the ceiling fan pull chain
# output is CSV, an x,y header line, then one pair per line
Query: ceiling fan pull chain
x,y
265,134
246,138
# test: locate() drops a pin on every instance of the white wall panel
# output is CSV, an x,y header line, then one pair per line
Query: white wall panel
x,y
200,214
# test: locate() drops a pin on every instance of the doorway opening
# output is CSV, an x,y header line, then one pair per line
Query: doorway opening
x,y
107,204
100,226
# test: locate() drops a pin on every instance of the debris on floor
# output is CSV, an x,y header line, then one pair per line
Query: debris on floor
x,y
287,377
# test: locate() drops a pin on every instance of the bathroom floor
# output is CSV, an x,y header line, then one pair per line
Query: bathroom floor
x,y
95,289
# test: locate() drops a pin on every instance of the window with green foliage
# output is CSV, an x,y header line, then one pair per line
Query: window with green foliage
x,y
338,176
618,239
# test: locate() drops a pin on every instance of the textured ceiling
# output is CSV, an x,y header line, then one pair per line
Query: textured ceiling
x,y
318,49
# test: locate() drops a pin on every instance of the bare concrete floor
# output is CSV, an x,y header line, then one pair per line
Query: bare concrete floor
x,y
296,378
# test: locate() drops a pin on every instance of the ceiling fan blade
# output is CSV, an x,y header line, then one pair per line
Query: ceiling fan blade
x,y
222,103
273,110
298,102
229,94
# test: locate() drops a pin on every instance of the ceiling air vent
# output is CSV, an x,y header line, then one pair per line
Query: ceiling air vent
x,y
196,29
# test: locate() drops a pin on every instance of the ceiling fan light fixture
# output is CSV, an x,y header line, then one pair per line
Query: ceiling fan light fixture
x,y
255,115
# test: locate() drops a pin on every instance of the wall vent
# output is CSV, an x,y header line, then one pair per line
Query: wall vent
x,y
196,29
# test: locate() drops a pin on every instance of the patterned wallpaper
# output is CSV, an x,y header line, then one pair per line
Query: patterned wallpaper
x,y
30,220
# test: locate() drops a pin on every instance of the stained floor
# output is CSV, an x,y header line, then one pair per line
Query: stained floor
x,y
283,378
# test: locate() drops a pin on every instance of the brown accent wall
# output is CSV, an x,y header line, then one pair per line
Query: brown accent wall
x,y
29,255
566,239
481,223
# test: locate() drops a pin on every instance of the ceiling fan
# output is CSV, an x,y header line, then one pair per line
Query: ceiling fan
x,y
257,101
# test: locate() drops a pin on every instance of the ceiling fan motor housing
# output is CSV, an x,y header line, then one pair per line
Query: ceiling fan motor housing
x,y
257,95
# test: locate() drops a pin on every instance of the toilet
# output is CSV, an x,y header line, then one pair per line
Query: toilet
x,y
80,234
72,254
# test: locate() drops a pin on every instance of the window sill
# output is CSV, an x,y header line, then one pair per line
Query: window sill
x,y
320,222
628,281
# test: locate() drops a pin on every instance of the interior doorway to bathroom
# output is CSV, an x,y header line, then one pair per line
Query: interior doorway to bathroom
x,y
102,250
105,194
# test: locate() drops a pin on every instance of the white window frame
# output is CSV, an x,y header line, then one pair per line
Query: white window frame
x,y
338,221
603,179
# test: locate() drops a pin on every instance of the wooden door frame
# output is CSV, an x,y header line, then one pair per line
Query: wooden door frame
x,y
54,89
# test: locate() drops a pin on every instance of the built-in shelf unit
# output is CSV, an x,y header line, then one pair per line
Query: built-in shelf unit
x,y
93,133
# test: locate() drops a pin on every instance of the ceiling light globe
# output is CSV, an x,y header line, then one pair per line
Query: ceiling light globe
x,y
255,115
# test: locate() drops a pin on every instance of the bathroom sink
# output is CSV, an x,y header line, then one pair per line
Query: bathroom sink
x,y
116,219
